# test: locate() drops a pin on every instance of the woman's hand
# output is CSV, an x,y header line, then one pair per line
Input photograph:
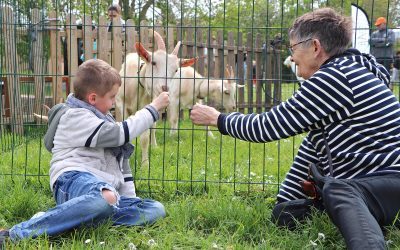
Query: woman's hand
x,y
204,115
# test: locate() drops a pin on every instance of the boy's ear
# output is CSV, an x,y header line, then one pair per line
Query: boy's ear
x,y
91,98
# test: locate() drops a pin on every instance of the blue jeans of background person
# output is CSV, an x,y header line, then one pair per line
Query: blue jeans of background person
x,y
80,203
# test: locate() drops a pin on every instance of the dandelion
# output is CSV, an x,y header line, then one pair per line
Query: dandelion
x,y
88,241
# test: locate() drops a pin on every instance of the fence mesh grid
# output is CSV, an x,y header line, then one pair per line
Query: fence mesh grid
x,y
43,42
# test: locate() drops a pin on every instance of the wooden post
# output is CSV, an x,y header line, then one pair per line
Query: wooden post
x,y
249,64
231,51
258,58
130,33
38,68
87,37
170,39
158,28
240,71
13,87
72,43
116,41
189,42
219,65
210,53
102,40
200,66
56,59
144,34
277,62
268,83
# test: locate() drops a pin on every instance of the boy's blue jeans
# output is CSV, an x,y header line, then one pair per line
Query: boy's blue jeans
x,y
80,203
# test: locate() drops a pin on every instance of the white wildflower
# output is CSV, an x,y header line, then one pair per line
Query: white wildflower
x,y
321,236
88,241
214,246
253,174
313,243
389,242
151,243
102,243
203,172
132,246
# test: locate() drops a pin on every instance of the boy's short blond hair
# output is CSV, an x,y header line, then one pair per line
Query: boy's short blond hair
x,y
96,76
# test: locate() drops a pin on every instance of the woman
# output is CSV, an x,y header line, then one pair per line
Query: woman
x,y
353,125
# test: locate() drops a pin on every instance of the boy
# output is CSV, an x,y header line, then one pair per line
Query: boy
x,y
89,173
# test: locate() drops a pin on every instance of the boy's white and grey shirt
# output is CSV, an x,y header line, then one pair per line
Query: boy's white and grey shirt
x,y
81,141
350,98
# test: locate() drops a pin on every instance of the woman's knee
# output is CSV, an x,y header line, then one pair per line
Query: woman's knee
x,y
289,213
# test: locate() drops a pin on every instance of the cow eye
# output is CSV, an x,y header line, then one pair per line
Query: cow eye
x,y
153,63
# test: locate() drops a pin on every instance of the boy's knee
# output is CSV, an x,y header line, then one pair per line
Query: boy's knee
x,y
109,196
335,191
160,209
289,213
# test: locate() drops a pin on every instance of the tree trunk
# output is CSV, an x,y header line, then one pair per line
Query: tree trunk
x,y
147,5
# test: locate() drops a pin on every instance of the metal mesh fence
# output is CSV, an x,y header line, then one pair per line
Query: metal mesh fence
x,y
43,42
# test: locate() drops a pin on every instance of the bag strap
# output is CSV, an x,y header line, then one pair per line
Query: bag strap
x,y
328,152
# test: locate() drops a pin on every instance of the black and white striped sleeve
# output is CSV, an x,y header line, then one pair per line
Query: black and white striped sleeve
x,y
326,97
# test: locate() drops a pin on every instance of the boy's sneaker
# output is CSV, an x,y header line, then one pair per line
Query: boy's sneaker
x,y
4,234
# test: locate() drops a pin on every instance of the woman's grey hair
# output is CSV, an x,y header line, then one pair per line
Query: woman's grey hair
x,y
333,30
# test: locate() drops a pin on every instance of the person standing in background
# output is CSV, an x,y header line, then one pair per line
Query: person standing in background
x,y
382,41
113,12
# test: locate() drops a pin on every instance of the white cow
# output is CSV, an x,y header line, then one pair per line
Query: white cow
x,y
188,87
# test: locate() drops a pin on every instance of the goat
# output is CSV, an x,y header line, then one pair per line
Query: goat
x,y
188,86
42,118
290,64
144,80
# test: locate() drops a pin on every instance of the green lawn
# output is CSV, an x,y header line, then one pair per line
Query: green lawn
x,y
218,193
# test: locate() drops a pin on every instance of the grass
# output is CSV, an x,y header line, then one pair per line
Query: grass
x,y
218,194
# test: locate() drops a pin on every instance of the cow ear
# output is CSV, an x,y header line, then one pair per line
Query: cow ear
x,y
226,90
188,62
143,53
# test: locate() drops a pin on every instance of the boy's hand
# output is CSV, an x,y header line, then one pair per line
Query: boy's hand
x,y
161,101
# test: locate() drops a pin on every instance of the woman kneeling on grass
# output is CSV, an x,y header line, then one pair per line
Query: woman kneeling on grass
x,y
353,124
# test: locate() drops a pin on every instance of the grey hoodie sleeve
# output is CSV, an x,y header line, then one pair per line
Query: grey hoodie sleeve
x,y
116,134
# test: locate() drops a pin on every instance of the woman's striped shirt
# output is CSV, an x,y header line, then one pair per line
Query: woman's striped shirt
x,y
350,98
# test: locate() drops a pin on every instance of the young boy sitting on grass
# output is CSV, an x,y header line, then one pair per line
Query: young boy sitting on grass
x,y
90,174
